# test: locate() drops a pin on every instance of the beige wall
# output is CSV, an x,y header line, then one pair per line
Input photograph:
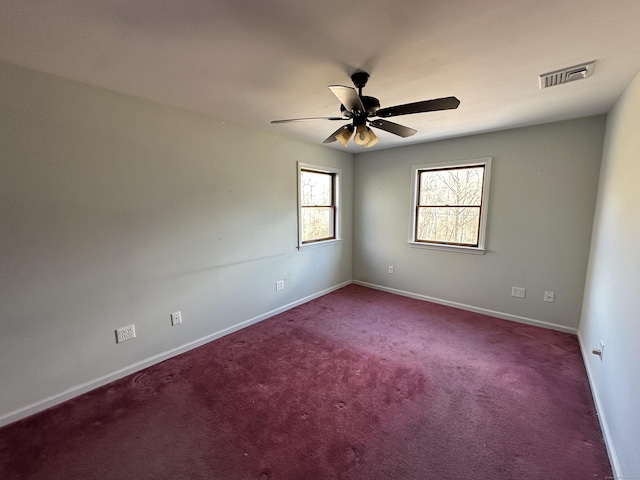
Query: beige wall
x,y
115,210
611,311
541,202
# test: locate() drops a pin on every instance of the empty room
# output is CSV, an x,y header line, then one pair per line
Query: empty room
x,y
319,240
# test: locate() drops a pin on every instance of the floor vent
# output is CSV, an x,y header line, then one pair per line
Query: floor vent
x,y
570,74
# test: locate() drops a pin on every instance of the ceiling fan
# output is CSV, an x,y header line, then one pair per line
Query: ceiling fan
x,y
360,109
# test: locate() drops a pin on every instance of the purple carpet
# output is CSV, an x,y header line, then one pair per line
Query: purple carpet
x,y
358,384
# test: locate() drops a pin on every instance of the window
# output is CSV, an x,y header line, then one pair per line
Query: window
x,y
318,204
449,204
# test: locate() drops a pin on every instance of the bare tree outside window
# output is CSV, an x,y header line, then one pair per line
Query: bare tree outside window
x,y
317,205
449,205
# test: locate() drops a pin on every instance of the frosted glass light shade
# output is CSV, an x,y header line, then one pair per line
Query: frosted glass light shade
x,y
363,135
344,135
373,141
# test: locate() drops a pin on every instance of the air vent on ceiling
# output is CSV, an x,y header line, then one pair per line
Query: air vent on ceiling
x,y
570,74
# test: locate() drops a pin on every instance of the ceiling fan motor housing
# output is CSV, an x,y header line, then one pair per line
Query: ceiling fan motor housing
x,y
371,106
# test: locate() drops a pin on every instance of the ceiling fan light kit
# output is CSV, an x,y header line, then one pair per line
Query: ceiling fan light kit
x,y
358,108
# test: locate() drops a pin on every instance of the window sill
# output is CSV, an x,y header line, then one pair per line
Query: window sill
x,y
322,243
448,248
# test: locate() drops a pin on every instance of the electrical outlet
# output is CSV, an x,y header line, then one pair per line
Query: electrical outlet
x,y
125,333
390,269
176,318
549,297
280,285
518,292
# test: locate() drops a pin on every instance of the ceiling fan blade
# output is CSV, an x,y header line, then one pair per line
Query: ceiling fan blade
x,y
337,135
348,97
289,120
394,128
446,103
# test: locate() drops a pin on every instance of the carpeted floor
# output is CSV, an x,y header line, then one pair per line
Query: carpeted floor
x,y
358,384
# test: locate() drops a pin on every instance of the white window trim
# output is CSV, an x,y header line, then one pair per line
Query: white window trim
x,y
338,219
480,249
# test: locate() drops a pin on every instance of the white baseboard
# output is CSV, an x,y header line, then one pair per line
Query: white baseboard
x,y
604,426
471,308
141,365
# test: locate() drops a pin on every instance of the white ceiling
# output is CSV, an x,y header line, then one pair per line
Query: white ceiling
x,y
253,61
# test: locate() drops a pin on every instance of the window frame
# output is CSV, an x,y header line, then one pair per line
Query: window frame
x,y
484,206
336,174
